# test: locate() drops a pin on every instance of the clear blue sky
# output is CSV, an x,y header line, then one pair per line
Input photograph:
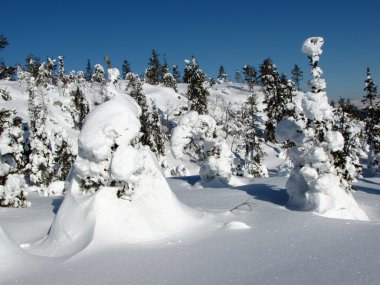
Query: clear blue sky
x,y
228,33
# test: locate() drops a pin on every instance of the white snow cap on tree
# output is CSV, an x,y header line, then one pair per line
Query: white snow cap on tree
x,y
316,183
201,130
101,216
313,48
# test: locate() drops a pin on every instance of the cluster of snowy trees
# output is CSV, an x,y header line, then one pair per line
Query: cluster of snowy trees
x,y
39,152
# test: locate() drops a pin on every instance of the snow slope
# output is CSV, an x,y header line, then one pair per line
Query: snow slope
x,y
270,245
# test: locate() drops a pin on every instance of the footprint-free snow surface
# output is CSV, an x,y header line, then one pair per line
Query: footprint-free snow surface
x,y
258,242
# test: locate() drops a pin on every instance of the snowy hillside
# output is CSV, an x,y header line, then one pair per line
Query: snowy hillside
x,y
110,181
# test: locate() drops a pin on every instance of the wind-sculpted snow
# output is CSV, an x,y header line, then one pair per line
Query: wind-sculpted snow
x,y
105,213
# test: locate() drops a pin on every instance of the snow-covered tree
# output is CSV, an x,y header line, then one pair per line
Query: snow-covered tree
x,y
46,75
196,92
254,155
80,106
222,75
63,156
196,135
41,157
13,160
372,130
176,74
250,76
148,119
169,81
98,76
125,68
164,69
316,183
152,73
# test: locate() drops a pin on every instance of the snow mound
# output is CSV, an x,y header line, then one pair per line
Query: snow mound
x,y
237,225
116,193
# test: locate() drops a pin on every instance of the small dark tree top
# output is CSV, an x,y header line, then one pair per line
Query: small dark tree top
x,y
3,42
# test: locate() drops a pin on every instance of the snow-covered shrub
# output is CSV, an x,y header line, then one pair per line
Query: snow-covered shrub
x,y
315,182
13,160
131,202
197,136
170,82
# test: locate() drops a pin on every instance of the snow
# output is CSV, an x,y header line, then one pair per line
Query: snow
x,y
280,247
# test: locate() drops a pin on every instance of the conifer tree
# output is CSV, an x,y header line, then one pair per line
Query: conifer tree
x,y
61,63
41,157
176,74
370,101
153,72
32,65
81,108
157,135
297,76
170,82
125,68
5,71
164,70
88,73
63,156
196,92
250,76
254,155
147,118
222,75
13,160
98,76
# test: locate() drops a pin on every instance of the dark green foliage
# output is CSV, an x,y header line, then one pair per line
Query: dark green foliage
x,y
196,92
297,76
32,65
63,158
250,76
5,95
222,75
125,68
150,132
88,74
81,107
3,42
164,70
153,72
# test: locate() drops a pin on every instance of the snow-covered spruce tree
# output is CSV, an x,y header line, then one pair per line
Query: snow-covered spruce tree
x,y
176,74
346,122
196,136
254,155
316,183
13,160
146,136
152,73
250,76
63,156
32,65
277,99
80,106
196,92
164,69
372,132
46,76
111,87
169,81
99,80
41,156
156,132
222,75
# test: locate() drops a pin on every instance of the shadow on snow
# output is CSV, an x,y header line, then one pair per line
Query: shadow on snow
x,y
266,192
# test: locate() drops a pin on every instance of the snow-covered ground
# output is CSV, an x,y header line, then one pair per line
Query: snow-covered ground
x,y
268,245
214,233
